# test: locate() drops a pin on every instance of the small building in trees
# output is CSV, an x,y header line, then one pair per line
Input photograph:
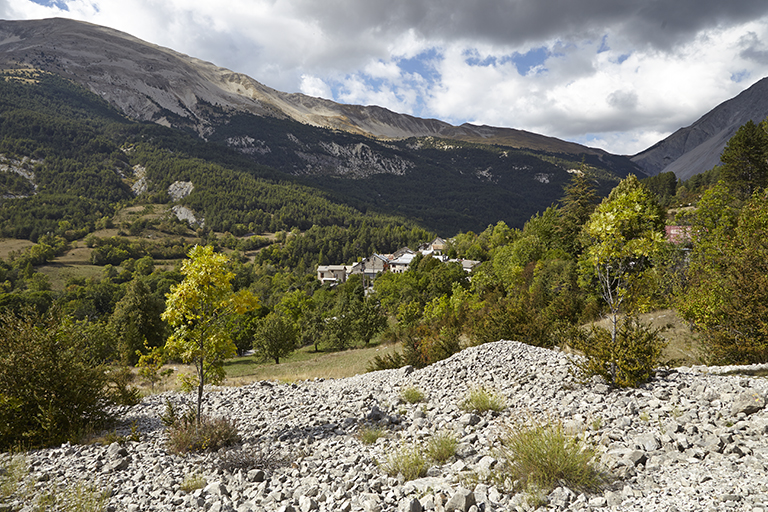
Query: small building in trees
x,y
333,274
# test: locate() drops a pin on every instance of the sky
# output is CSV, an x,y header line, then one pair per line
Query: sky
x,y
615,74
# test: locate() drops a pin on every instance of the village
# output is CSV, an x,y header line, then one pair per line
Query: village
x,y
397,262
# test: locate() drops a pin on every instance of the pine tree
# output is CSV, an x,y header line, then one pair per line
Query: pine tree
x,y
745,159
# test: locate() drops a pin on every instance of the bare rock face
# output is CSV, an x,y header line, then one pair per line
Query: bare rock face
x,y
151,83
697,148
180,189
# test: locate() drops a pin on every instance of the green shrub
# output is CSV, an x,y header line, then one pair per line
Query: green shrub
x,y
369,435
637,351
407,461
411,394
480,400
119,389
442,447
543,456
50,392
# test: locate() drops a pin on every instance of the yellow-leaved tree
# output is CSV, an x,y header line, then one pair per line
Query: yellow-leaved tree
x,y
198,309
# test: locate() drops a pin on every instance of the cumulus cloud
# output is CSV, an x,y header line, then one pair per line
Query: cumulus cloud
x,y
617,74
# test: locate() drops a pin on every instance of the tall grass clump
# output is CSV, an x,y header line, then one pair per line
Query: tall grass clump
x,y
369,435
407,461
411,394
442,447
480,400
542,456
16,485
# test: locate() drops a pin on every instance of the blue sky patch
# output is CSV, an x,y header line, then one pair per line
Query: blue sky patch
x,y
423,65
59,4
529,60
739,76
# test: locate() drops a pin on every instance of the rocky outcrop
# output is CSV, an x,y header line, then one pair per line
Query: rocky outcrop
x,y
689,440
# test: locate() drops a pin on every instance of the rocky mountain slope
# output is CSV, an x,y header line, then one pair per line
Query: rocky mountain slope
x,y
692,439
696,148
151,83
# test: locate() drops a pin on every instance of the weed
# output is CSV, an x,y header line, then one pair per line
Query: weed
x,y
192,482
251,458
442,447
541,456
644,416
480,400
407,461
12,474
412,394
78,496
210,434
369,435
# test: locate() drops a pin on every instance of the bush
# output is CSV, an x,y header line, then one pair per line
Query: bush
x,y
186,434
480,400
407,461
442,447
411,394
543,456
50,392
638,350
119,380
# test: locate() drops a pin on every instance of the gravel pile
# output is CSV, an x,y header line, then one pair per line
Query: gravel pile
x,y
693,439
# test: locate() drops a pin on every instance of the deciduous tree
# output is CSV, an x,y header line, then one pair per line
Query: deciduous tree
x,y
623,234
198,309
276,337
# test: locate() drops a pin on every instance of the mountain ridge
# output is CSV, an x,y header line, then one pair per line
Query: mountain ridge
x,y
696,148
157,82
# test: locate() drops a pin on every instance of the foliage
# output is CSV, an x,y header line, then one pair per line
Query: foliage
x,y
727,278
664,185
543,456
369,319
412,394
627,360
136,321
51,391
623,234
150,365
407,461
276,337
119,389
480,400
745,159
441,447
197,309
243,329
577,204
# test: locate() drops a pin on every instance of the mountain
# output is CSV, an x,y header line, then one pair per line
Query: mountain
x,y
697,148
446,178
151,83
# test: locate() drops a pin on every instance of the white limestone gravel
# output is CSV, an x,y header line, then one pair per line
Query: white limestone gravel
x,y
692,439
